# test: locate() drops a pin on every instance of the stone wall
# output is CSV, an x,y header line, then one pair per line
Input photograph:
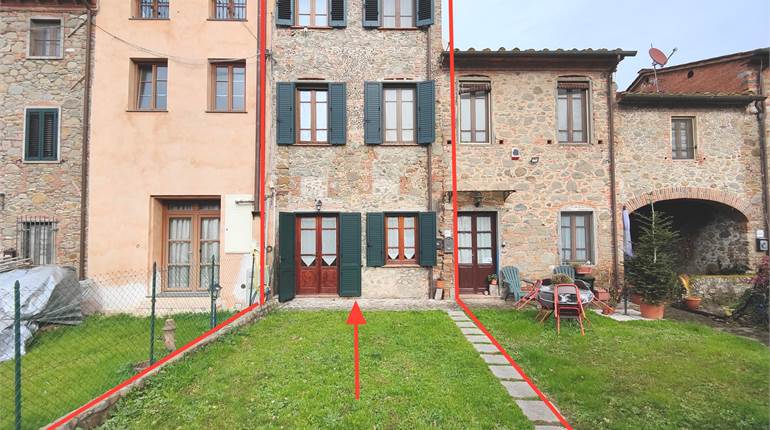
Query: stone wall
x,y
51,189
726,167
720,290
720,244
567,177
357,177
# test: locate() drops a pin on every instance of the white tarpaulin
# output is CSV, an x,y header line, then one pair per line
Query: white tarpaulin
x,y
48,295
628,247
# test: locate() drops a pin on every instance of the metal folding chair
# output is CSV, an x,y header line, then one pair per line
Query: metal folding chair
x,y
568,310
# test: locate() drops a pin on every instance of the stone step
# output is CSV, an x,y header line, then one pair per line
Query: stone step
x,y
494,359
465,324
549,428
505,372
471,331
478,339
485,348
536,410
519,389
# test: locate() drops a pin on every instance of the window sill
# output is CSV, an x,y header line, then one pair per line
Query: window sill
x,y
300,27
147,110
476,143
398,28
391,144
38,57
228,19
182,294
402,266
227,111
310,145
575,144
134,18
41,161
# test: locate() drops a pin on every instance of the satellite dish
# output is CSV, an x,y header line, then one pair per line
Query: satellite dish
x,y
658,57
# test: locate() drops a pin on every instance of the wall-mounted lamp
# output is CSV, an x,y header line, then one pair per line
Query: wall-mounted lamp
x,y
477,199
534,160
318,204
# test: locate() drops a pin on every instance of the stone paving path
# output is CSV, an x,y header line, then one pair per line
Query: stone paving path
x,y
524,396
344,304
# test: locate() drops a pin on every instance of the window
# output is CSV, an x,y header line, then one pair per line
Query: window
x,y
191,241
312,13
576,237
474,112
152,85
41,140
572,112
151,9
399,115
313,115
229,87
45,38
400,240
37,240
682,139
229,9
397,13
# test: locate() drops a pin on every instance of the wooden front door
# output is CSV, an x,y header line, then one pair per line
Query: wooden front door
x,y
317,254
477,250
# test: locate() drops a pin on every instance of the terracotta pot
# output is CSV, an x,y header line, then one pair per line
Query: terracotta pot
x,y
493,282
653,312
608,311
692,303
636,298
583,270
602,294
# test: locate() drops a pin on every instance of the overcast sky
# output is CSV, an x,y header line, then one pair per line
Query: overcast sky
x,y
699,29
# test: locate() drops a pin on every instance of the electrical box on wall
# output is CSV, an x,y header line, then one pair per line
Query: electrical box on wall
x,y
449,245
515,154
762,245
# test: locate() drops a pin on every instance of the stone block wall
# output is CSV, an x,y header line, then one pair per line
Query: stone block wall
x,y
567,177
726,168
720,290
52,189
356,177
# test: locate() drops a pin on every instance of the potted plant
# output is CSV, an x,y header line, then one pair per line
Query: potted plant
x,y
651,269
582,269
491,282
690,300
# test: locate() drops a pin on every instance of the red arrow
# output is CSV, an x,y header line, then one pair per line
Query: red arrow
x,y
355,318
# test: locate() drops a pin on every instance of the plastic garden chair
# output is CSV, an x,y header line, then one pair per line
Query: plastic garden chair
x,y
564,270
511,282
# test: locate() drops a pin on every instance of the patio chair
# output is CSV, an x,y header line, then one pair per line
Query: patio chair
x,y
565,270
509,277
568,310
530,295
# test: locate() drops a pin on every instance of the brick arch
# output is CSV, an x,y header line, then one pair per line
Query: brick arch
x,y
736,202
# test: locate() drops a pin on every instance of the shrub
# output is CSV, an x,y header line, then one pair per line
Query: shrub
x,y
754,302
561,278
651,270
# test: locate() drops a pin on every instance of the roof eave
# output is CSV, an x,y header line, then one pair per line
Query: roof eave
x,y
689,100
536,60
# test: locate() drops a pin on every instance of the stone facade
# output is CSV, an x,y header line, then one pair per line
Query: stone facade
x,y
49,190
356,177
529,196
720,290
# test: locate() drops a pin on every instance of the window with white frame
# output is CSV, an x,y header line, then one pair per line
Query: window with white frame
x,y
45,38
474,112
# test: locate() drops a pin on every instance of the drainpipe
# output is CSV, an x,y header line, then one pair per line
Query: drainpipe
x,y
257,142
613,185
429,75
761,119
85,143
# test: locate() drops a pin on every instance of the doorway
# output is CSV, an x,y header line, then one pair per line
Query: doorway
x,y
477,250
317,254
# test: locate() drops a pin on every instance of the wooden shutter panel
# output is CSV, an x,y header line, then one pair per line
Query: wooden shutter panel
x,y
372,13
285,113
284,14
338,120
427,239
33,144
424,13
50,134
350,255
375,239
373,113
286,269
338,13
426,112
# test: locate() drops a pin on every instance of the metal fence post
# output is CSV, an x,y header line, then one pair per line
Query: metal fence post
x,y
251,281
212,291
17,351
152,313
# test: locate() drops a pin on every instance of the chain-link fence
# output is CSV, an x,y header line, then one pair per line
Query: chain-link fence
x,y
63,342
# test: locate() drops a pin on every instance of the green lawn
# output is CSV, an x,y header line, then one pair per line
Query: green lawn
x,y
66,367
641,375
295,370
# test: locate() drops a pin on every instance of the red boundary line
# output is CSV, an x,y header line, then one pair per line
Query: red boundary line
x,y
261,205
459,301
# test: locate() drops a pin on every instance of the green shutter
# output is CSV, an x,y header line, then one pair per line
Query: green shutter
x,y
285,113
337,114
428,239
426,112
373,113
338,13
372,13
375,239
286,269
41,140
350,255
424,13
284,12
